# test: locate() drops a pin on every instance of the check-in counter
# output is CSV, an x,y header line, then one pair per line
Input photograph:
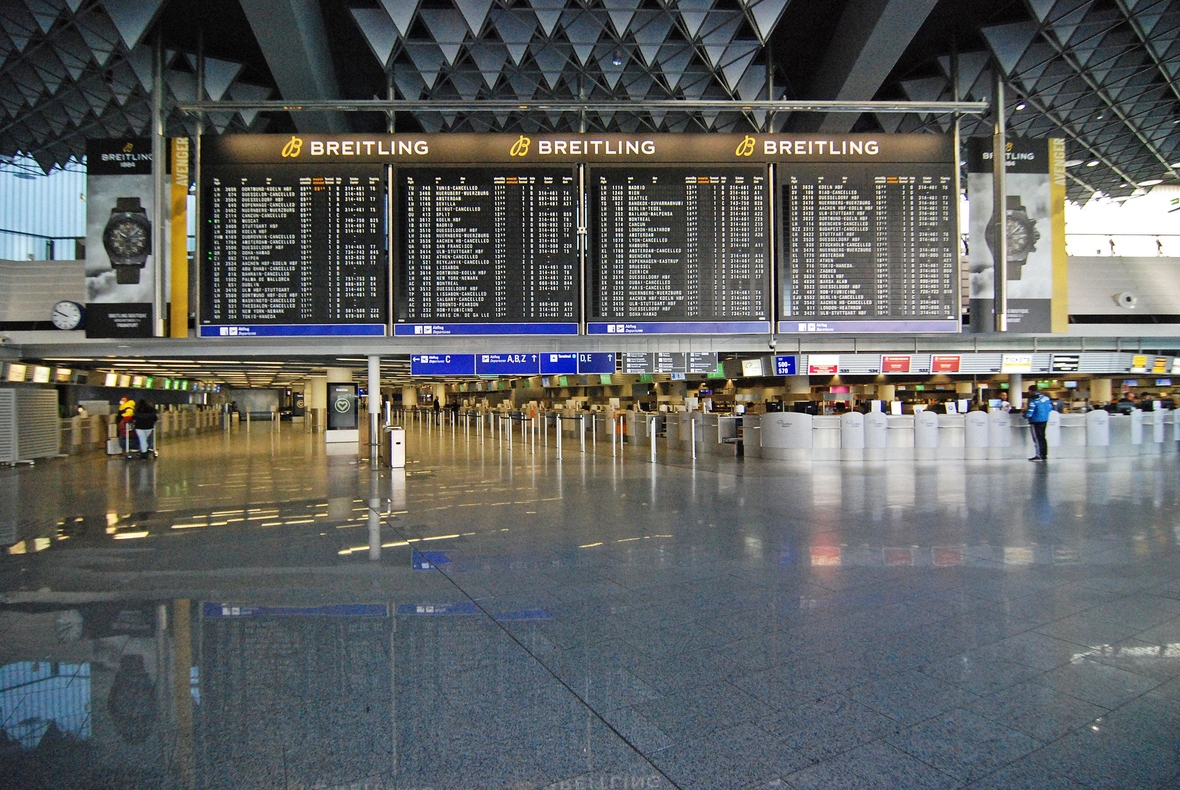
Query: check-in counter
x,y
1097,434
976,427
925,435
689,425
899,436
952,435
876,436
752,435
1153,431
721,431
787,436
825,445
672,429
852,436
1121,430
1071,437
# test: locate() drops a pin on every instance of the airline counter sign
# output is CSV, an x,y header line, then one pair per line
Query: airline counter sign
x,y
573,148
945,363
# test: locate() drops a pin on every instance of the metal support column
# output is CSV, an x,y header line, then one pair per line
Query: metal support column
x,y
999,208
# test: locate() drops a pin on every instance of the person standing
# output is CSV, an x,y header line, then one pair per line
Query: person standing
x,y
126,423
1037,414
145,426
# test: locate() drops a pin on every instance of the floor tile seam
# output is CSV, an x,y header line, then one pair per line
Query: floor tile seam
x,y
1037,680
1039,745
634,747
1067,639
1073,728
958,782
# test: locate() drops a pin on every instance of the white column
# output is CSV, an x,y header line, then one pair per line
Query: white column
x,y
409,397
1100,391
374,405
317,400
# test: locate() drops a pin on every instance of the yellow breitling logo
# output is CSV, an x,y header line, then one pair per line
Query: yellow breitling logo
x,y
745,147
293,147
520,147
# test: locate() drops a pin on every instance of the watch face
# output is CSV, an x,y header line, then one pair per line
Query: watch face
x,y
1020,238
67,315
126,238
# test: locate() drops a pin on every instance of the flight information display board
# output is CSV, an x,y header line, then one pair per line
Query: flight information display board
x,y
869,247
487,251
294,250
678,250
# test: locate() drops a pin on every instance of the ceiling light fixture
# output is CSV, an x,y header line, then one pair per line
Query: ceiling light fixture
x,y
1092,163
1020,106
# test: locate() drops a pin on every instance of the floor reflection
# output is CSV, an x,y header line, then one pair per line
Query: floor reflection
x,y
248,611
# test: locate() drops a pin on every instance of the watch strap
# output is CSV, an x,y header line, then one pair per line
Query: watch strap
x,y
1014,202
129,204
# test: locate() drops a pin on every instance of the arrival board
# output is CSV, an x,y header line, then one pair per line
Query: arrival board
x,y
678,250
869,248
487,251
294,250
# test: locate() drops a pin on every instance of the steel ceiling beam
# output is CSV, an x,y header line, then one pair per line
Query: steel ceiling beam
x,y
870,38
1068,55
669,105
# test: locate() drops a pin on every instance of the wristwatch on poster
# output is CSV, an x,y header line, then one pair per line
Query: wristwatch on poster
x,y
1022,235
128,239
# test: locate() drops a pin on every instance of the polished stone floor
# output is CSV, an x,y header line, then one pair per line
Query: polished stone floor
x,y
251,612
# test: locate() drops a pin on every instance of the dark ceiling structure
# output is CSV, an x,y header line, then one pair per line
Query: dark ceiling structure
x,y
1103,74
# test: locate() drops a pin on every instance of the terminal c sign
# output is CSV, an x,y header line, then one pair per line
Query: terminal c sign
x,y
573,148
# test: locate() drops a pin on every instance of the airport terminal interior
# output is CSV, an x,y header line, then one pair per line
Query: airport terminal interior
x,y
589,394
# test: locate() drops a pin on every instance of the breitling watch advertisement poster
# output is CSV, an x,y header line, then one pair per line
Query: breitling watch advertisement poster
x,y
1034,216
120,264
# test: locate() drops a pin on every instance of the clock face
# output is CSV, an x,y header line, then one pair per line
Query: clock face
x,y
126,238
67,315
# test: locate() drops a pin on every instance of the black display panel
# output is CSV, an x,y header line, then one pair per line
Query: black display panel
x,y
869,248
678,250
294,250
486,251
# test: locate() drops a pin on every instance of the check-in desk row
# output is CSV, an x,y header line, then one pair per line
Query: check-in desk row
x,y
977,434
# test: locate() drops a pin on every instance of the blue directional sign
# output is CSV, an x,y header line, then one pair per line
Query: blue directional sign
x,y
442,364
597,362
786,365
507,364
677,327
559,364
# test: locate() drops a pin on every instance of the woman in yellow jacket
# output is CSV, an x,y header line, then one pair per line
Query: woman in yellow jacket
x,y
126,423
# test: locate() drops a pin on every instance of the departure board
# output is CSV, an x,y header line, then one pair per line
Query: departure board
x,y
869,248
294,250
487,251
678,250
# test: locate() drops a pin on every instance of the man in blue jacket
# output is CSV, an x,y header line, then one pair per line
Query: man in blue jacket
x,y
1037,414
